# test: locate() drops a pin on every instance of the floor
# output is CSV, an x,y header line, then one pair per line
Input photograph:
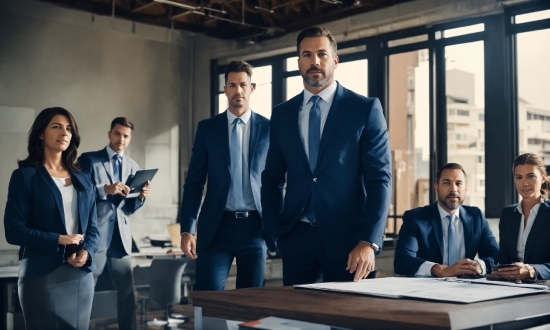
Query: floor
x,y
151,315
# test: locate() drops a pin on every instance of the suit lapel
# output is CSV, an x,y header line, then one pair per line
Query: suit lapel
x,y
467,225
255,130
45,175
125,169
513,230
436,224
294,105
536,229
107,164
82,209
223,135
334,115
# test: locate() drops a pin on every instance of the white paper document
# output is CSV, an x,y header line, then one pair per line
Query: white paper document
x,y
426,288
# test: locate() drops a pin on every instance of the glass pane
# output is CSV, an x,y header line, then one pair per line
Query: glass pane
x,y
260,100
536,16
294,85
221,82
292,63
533,60
409,119
463,30
353,75
222,102
464,79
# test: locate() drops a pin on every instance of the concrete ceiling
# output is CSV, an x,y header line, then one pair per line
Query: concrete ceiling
x,y
255,20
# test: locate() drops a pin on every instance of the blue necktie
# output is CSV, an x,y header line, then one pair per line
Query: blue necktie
x,y
236,150
314,131
117,167
314,139
452,242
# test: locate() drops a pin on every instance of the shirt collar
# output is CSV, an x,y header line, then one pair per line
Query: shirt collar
x,y
443,214
534,210
245,117
111,153
326,94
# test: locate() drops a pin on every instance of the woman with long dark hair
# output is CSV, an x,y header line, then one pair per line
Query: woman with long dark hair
x,y
51,215
525,227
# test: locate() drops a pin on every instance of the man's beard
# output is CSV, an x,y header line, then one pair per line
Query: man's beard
x,y
317,83
452,206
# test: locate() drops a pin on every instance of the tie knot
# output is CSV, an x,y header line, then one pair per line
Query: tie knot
x,y
117,157
450,217
315,100
237,121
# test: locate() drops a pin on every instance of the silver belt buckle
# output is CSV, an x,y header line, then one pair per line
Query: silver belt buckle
x,y
241,215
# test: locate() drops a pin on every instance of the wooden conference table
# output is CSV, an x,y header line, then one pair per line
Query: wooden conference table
x,y
366,312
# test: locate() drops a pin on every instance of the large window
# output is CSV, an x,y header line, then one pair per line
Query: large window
x,y
533,69
464,91
409,132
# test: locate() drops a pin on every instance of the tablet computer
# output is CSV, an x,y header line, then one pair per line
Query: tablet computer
x,y
138,180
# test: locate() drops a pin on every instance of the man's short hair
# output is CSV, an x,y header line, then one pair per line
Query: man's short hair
x,y
122,121
314,32
238,66
451,166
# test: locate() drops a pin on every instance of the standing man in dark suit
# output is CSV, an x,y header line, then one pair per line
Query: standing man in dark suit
x,y
442,239
109,168
230,150
330,145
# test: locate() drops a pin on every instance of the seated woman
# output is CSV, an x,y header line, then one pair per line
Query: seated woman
x,y
51,215
525,227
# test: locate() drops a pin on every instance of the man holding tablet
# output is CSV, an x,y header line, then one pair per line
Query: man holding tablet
x,y
109,169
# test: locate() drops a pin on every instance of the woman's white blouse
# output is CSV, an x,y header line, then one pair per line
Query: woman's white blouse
x,y
70,205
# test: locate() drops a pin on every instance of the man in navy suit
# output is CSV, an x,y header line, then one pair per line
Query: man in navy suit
x,y
330,146
109,168
442,239
230,150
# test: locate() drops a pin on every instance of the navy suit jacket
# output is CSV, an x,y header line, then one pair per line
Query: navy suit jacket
x,y
111,208
34,218
421,238
211,159
351,184
537,248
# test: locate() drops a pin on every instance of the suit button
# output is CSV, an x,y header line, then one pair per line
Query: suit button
x,y
314,179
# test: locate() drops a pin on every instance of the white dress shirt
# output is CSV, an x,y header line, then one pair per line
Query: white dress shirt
x,y
70,205
327,96
101,186
524,231
426,267
247,193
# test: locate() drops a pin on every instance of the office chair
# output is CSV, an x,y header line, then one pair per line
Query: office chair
x,y
165,277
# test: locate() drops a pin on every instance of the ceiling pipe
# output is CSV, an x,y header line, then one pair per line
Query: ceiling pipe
x,y
177,4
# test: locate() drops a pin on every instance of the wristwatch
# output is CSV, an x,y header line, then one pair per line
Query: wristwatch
x,y
373,246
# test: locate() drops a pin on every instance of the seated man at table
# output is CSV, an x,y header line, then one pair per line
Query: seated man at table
x,y
443,238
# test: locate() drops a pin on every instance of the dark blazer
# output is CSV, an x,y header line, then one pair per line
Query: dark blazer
x,y
211,159
98,165
537,248
34,217
421,238
353,163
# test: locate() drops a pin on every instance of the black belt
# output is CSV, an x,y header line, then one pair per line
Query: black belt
x,y
241,214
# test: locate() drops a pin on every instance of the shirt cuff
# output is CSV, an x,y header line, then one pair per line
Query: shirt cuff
x,y
482,265
101,191
425,269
